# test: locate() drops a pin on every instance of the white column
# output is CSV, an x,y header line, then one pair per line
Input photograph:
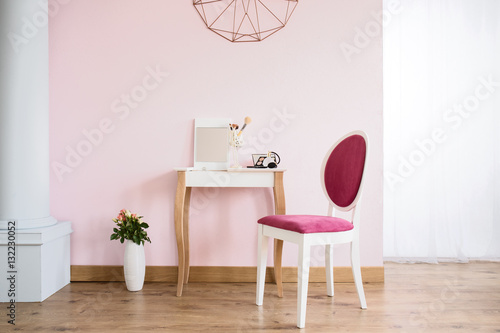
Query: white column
x,y
41,264
24,114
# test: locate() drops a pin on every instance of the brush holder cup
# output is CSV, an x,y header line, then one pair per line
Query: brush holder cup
x,y
235,141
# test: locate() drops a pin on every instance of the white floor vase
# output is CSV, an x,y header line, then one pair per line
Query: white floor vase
x,y
134,266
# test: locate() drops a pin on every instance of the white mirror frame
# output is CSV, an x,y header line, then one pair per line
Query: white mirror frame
x,y
217,146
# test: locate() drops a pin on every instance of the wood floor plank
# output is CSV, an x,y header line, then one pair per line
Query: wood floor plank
x,y
414,298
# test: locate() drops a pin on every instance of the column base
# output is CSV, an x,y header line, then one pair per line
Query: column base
x,y
29,223
42,263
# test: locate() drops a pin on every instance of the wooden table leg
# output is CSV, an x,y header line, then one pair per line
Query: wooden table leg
x,y
187,200
278,276
179,209
279,209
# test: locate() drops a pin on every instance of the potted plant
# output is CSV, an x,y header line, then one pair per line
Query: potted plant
x,y
131,228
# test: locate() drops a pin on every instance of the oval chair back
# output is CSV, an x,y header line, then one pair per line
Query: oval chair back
x,y
343,168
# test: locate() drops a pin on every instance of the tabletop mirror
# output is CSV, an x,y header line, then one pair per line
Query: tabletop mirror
x,y
211,146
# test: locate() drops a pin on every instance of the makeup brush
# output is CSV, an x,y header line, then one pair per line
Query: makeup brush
x,y
248,120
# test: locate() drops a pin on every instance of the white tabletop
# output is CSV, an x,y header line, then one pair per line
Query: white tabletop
x,y
244,169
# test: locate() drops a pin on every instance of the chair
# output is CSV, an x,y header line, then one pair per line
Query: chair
x,y
342,176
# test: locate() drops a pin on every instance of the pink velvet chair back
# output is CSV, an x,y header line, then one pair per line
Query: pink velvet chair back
x,y
343,169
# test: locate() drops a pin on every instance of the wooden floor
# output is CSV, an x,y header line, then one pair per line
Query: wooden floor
x,y
414,298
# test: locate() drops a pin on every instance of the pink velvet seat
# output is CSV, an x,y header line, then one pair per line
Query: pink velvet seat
x,y
306,224
341,176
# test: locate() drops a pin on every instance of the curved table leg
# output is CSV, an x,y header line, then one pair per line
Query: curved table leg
x,y
279,209
179,209
187,199
278,253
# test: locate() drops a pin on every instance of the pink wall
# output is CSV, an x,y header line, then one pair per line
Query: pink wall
x,y
103,50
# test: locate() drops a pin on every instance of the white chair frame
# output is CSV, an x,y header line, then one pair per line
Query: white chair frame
x,y
305,241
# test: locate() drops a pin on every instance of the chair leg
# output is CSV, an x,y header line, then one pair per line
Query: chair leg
x,y
302,283
262,245
329,269
356,272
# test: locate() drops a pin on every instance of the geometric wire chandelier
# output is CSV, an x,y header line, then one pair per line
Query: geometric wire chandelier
x,y
245,20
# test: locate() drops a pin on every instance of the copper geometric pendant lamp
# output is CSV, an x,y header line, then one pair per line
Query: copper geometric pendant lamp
x,y
245,20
